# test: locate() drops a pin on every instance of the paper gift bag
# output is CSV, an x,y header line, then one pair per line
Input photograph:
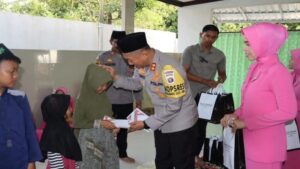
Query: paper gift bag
x,y
292,136
213,107
213,150
233,149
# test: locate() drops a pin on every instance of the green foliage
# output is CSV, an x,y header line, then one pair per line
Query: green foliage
x,y
233,27
150,14
292,26
236,27
3,5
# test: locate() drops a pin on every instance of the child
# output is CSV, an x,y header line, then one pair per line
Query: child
x,y
58,140
69,115
96,140
19,147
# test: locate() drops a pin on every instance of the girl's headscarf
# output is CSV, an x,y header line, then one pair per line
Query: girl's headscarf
x,y
57,136
62,89
66,91
54,108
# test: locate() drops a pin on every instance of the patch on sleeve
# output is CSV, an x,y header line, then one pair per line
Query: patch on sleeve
x,y
173,82
16,92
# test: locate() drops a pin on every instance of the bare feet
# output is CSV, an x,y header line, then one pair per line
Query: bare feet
x,y
128,159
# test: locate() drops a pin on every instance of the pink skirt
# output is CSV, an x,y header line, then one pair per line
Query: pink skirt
x,y
259,165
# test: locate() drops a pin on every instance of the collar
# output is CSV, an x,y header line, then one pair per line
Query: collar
x,y
4,92
202,50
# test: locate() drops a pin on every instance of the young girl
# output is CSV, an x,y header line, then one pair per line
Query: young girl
x,y
99,149
58,140
19,147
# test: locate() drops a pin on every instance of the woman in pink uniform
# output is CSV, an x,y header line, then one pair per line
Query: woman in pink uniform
x,y
268,98
292,161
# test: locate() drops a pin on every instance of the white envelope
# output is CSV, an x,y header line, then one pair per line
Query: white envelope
x,y
121,123
136,115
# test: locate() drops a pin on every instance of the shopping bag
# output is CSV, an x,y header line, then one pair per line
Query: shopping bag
x,y
233,149
213,150
213,107
292,136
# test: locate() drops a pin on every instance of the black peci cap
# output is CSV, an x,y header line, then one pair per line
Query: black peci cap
x,y
132,42
6,54
117,35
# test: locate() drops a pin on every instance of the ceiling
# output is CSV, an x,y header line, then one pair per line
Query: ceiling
x,y
182,3
282,13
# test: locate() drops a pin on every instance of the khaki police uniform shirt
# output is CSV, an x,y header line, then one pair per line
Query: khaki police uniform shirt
x,y
203,64
172,114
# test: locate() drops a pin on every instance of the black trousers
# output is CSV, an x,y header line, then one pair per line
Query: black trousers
x,y
121,111
200,137
175,149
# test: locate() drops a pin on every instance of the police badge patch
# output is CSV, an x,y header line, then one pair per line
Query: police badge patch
x,y
170,77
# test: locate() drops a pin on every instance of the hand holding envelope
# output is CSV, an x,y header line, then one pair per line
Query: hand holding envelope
x,y
134,120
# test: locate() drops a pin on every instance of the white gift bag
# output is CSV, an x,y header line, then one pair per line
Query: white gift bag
x,y
207,102
206,105
292,135
228,147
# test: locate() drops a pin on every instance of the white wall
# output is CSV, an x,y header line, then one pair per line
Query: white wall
x,y
191,19
32,32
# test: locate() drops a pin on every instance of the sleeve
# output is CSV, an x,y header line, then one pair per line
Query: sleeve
x,y
186,58
34,152
138,95
129,83
283,91
222,64
171,108
238,112
101,57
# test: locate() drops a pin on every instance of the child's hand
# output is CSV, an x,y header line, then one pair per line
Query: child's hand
x,y
115,132
108,124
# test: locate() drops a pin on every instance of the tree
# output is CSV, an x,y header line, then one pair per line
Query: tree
x,y
149,14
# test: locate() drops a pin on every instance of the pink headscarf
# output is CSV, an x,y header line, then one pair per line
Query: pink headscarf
x,y
265,39
296,72
61,89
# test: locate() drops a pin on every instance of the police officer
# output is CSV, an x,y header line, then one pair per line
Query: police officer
x,y
175,110
121,99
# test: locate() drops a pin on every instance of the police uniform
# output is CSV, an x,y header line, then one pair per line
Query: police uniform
x,y
121,99
175,109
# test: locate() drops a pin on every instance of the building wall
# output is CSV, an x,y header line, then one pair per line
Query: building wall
x,y
191,19
41,33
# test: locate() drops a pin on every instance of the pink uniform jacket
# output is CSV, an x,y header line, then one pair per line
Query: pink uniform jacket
x,y
268,98
293,157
